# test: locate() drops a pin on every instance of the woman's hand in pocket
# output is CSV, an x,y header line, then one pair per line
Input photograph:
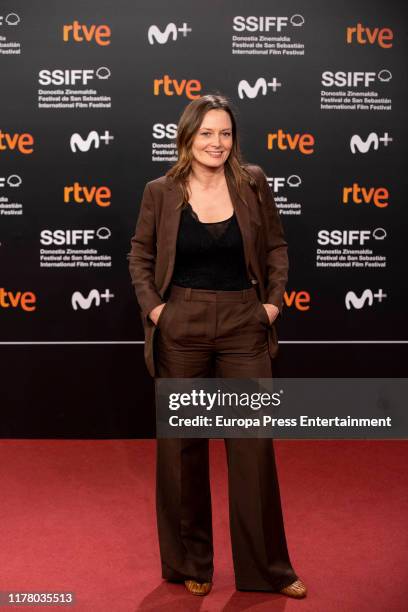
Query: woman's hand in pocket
x,y
154,314
272,311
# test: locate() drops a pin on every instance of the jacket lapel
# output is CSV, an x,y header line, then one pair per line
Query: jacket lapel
x,y
243,219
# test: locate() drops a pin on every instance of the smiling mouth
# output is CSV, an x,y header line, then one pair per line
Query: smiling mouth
x,y
214,153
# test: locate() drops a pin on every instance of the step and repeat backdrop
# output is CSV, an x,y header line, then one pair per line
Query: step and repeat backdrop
x,y
91,93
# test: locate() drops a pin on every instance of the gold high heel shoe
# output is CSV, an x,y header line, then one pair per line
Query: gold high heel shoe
x,y
198,588
296,589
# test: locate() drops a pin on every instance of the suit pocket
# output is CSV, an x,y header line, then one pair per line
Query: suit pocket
x,y
163,315
262,314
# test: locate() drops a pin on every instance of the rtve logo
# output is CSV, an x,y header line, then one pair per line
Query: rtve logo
x,y
265,23
297,299
82,33
366,195
154,34
23,143
279,140
172,87
371,142
164,130
279,182
354,79
72,77
261,86
352,300
364,35
25,300
83,194
93,140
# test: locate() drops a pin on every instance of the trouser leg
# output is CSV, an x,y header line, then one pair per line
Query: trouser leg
x,y
183,497
183,502
260,554
259,548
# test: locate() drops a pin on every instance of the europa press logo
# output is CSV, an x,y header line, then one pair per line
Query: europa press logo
x,y
261,87
358,144
170,32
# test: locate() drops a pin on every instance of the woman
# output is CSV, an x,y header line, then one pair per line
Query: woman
x,y
209,266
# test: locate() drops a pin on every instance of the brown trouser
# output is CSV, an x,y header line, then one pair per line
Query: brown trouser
x,y
204,333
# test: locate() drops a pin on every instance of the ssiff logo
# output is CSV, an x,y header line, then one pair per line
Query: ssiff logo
x,y
354,79
72,76
279,182
349,237
74,236
82,33
171,31
164,130
265,23
13,180
363,36
11,19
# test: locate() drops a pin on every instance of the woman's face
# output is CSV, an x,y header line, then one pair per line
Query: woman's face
x,y
213,140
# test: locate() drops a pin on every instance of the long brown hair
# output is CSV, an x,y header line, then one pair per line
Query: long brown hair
x,y
189,123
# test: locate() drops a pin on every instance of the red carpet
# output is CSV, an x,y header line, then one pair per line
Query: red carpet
x,y
78,515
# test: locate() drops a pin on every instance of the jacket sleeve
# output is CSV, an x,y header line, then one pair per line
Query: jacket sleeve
x,y
277,263
142,256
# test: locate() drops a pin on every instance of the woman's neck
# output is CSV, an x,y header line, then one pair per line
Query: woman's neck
x,y
205,177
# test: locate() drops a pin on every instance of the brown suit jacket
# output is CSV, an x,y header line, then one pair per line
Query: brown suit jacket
x,y
153,248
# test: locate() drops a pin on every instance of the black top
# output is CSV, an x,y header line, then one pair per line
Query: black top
x,y
209,255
